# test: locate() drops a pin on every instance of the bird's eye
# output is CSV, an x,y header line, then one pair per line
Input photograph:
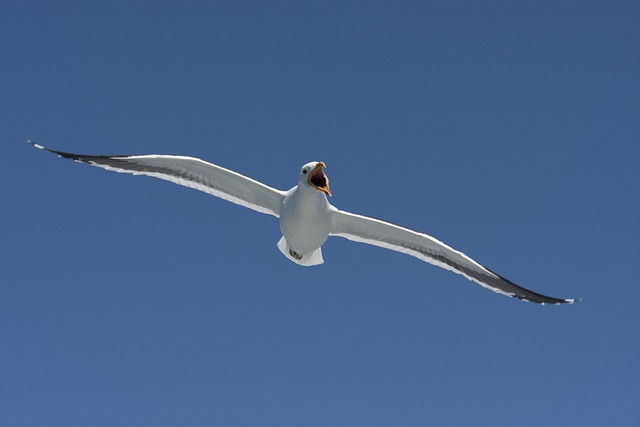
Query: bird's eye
x,y
304,171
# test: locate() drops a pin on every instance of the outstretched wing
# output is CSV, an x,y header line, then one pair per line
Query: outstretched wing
x,y
387,235
190,172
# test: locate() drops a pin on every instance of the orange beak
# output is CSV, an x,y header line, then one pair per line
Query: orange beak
x,y
318,179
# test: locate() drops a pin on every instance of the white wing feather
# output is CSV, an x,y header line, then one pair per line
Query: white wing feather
x,y
193,173
384,234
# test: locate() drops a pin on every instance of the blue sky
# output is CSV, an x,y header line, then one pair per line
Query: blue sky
x,y
507,129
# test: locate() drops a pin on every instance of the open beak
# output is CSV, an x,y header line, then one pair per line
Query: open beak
x,y
318,179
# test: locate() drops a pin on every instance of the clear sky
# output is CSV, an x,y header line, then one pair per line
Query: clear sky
x,y
508,129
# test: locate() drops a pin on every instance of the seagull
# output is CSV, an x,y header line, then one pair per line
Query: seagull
x,y
307,219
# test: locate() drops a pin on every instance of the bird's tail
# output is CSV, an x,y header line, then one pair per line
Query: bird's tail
x,y
310,258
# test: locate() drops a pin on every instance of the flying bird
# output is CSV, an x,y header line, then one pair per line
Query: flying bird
x,y
307,219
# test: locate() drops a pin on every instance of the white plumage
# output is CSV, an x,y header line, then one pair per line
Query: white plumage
x,y
306,217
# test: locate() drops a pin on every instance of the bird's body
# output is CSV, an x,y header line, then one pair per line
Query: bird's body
x,y
306,217
305,222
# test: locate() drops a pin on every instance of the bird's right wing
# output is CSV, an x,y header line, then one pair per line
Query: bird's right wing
x,y
381,233
190,172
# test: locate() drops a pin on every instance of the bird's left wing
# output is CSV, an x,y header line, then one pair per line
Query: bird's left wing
x,y
190,172
397,238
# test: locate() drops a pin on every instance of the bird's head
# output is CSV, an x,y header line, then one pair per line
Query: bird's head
x,y
312,175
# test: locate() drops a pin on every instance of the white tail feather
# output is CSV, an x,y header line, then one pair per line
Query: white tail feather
x,y
310,258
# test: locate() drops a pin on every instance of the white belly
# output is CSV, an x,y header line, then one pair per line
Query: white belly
x,y
305,220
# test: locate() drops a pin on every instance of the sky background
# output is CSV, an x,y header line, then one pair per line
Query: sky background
x,y
508,129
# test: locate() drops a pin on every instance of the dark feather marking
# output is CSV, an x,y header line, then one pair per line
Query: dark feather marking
x,y
497,282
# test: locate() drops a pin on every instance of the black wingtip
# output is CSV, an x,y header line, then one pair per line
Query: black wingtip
x,y
527,295
551,300
56,152
40,147
35,144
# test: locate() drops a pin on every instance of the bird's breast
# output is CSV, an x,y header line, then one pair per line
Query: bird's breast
x,y
305,221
